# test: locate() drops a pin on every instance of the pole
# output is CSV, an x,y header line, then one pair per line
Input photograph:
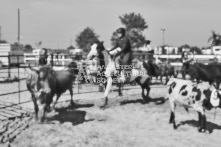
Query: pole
x,y
163,35
18,26
163,30
9,64
19,96
0,33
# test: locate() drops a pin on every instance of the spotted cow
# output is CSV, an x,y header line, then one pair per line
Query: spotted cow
x,y
200,97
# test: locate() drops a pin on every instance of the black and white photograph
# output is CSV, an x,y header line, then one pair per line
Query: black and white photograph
x,y
110,73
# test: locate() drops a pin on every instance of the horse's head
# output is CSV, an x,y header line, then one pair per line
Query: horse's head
x,y
96,50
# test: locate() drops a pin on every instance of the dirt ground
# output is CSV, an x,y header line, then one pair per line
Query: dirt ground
x,y
127,122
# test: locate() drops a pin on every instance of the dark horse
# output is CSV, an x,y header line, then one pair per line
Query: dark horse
x,y
108,71
160,70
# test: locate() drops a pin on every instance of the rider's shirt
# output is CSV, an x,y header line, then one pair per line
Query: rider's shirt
x,y
124,44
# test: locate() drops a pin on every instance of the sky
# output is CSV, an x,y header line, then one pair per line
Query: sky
x,y
56,23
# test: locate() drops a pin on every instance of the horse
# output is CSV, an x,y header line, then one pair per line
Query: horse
x,y
160,70
109,71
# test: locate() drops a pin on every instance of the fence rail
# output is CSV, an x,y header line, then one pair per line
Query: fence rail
x,y
18,69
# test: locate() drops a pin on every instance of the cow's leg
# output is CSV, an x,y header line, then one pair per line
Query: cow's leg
x,y
202,127
199,118
54,103
44,113
172,115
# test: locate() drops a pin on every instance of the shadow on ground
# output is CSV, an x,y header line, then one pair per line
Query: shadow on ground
x,y
209,125
157,101
70,114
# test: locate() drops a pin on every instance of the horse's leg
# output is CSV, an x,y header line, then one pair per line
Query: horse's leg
x,y
147,94
161,77
36,107
167,79
107,90
71,93
120,84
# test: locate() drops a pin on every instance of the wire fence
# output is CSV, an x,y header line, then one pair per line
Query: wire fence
x,y
14,70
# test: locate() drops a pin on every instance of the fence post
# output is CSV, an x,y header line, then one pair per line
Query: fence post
x,y
52,61
19,96
9,64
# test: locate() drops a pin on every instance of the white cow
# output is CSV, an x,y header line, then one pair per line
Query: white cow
x,y
200,97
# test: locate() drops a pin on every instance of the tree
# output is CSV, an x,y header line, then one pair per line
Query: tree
x,y
86,38
135,24
3,41
215,39
195,50
38,44
70,47
28,48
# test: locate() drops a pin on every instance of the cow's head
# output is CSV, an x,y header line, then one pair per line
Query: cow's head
x,y
46,83
213,98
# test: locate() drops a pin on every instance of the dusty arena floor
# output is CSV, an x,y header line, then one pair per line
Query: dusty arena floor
x,y
127,122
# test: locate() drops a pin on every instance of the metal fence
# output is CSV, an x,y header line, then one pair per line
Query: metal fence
x,y
16,70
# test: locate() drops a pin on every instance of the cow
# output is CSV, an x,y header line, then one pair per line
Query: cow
x,y
44,82
199,96
208,73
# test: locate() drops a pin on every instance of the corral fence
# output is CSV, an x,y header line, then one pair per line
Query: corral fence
x,y
15,70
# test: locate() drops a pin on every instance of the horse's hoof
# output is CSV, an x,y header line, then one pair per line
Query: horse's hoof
x,y
103,107
200,129
174,127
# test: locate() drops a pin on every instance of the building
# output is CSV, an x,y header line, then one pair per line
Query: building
x,y
15,51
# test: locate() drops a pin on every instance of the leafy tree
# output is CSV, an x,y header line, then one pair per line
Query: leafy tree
x,y
86,38
38,44
28,48
215,39
135,24
3,41
71,47
196,50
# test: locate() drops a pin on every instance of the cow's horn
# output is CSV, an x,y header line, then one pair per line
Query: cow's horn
x,y
36,69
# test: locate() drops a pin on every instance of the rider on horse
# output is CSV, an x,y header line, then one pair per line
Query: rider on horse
x,y
122,51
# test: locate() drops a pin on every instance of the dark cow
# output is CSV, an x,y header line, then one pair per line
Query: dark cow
x,y
200,97
160,70
44,83
209,73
